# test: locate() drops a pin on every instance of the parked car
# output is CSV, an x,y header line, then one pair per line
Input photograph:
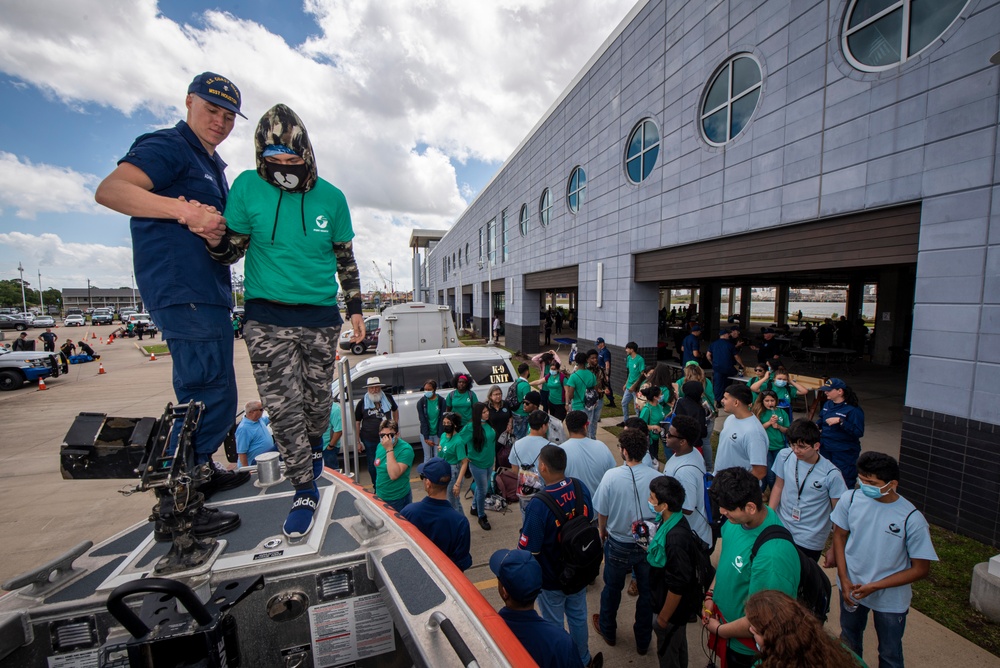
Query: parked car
x,y
102,316
135,318
21,367
73,310
74,320
125,313
371,337
43,321
14,322
404,375
25,315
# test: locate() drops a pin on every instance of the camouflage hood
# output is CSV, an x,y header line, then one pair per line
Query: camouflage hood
x,y
281,125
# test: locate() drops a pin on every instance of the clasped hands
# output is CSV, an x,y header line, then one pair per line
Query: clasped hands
x,y
204,220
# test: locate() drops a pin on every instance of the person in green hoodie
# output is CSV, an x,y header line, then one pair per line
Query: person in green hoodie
x,y
295,230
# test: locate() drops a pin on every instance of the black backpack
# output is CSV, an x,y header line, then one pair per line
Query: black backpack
x,y
510,401
815,591
579,543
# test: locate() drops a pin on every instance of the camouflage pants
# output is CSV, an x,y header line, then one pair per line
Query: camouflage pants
x,y
294,369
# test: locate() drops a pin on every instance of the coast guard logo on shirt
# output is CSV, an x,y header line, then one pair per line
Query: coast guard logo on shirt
x,y
733,436
738,563
817,484
893,528
322,222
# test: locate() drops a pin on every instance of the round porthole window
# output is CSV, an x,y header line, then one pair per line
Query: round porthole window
x,y
879,34
731,99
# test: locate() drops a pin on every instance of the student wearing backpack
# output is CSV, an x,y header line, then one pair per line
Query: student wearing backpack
x,y
545,535
806,487
462,398
430,409
882,545
674,555
477,454
602,387
553,386
577,385
687,466
736,492
515,400
587,459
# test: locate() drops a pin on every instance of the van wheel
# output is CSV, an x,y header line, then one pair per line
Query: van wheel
x,y
359,348
10,380
20,328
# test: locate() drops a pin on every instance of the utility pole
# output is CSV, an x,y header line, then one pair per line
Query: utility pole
x,y
392,286
90,301
24,302
133,289
41,297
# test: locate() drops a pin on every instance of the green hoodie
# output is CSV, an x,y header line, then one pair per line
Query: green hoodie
x,y
290,257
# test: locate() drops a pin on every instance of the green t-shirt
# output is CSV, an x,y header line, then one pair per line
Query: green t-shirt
x,y
652,416
635,366
296,266
775,439
487,456
581,380
389,489
708,395
451,445
461,403
432,416
523,387
554,386
776,567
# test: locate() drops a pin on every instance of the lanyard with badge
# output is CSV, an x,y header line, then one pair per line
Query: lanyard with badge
x,y
796,512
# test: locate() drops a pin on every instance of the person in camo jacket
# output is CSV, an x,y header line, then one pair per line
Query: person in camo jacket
x,y
295,229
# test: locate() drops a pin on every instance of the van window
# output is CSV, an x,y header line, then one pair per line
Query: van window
x,y
390,377
414,377
489,372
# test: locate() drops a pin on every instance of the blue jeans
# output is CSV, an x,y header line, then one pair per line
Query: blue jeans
x,y
455,501
553,604
889,627
594,415
331,457
482,479
706,446
620,559
520,426
430,446
399,504
627,398
770,476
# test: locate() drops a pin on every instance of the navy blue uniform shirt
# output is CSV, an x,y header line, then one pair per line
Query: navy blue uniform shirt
x,y
723,357
549,645
446,527
540,535
172,265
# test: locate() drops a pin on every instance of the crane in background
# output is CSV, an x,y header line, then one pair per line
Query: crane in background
x,y
391,287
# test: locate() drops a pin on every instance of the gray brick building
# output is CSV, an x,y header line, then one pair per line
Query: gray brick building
x,y
790,141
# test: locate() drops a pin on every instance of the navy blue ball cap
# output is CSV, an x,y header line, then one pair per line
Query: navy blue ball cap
x,y
519,573
435,469
218,90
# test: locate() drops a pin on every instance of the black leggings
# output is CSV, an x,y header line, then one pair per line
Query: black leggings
x,y
558,411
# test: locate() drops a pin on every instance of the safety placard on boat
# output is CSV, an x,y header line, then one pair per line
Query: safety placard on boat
x,y
85,659
350,629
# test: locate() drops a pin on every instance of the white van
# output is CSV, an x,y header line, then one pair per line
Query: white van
x,y
416,326
404,375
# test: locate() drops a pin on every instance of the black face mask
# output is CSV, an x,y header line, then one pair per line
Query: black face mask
x,y
287,177
448,428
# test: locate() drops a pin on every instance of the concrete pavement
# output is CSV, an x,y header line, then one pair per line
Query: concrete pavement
x,y
42,515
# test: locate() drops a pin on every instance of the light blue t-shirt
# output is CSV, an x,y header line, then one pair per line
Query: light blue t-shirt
x,y
884,538
336,424
587,460
742,443
254,438
820,484
622,496
525,451
689,471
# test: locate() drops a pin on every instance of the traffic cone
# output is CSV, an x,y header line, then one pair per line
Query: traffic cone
x,y
102,339
152,357
100,369
93,335
41,384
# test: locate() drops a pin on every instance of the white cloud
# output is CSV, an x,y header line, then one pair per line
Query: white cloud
x,y
31,189
66,264
393,92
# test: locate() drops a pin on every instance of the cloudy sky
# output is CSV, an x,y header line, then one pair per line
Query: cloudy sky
x,y
412,106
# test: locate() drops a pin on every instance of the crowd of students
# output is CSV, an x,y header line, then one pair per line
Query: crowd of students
x,y
654,530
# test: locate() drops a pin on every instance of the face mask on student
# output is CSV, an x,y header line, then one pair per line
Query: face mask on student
x,y
428,394
873,492
780,383
652,509
448,428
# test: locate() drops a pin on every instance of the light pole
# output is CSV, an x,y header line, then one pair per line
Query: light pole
x,y
392,286
41,297
133,289
24,302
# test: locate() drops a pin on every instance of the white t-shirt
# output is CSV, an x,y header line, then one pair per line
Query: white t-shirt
x,y
742,443
587,460
884,538
819,483
689,471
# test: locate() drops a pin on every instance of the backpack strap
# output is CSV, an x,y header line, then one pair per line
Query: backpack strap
x,y
553,506
771,532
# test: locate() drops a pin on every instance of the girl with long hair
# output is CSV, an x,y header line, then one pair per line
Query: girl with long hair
x,y
775,421
789,635
478,454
